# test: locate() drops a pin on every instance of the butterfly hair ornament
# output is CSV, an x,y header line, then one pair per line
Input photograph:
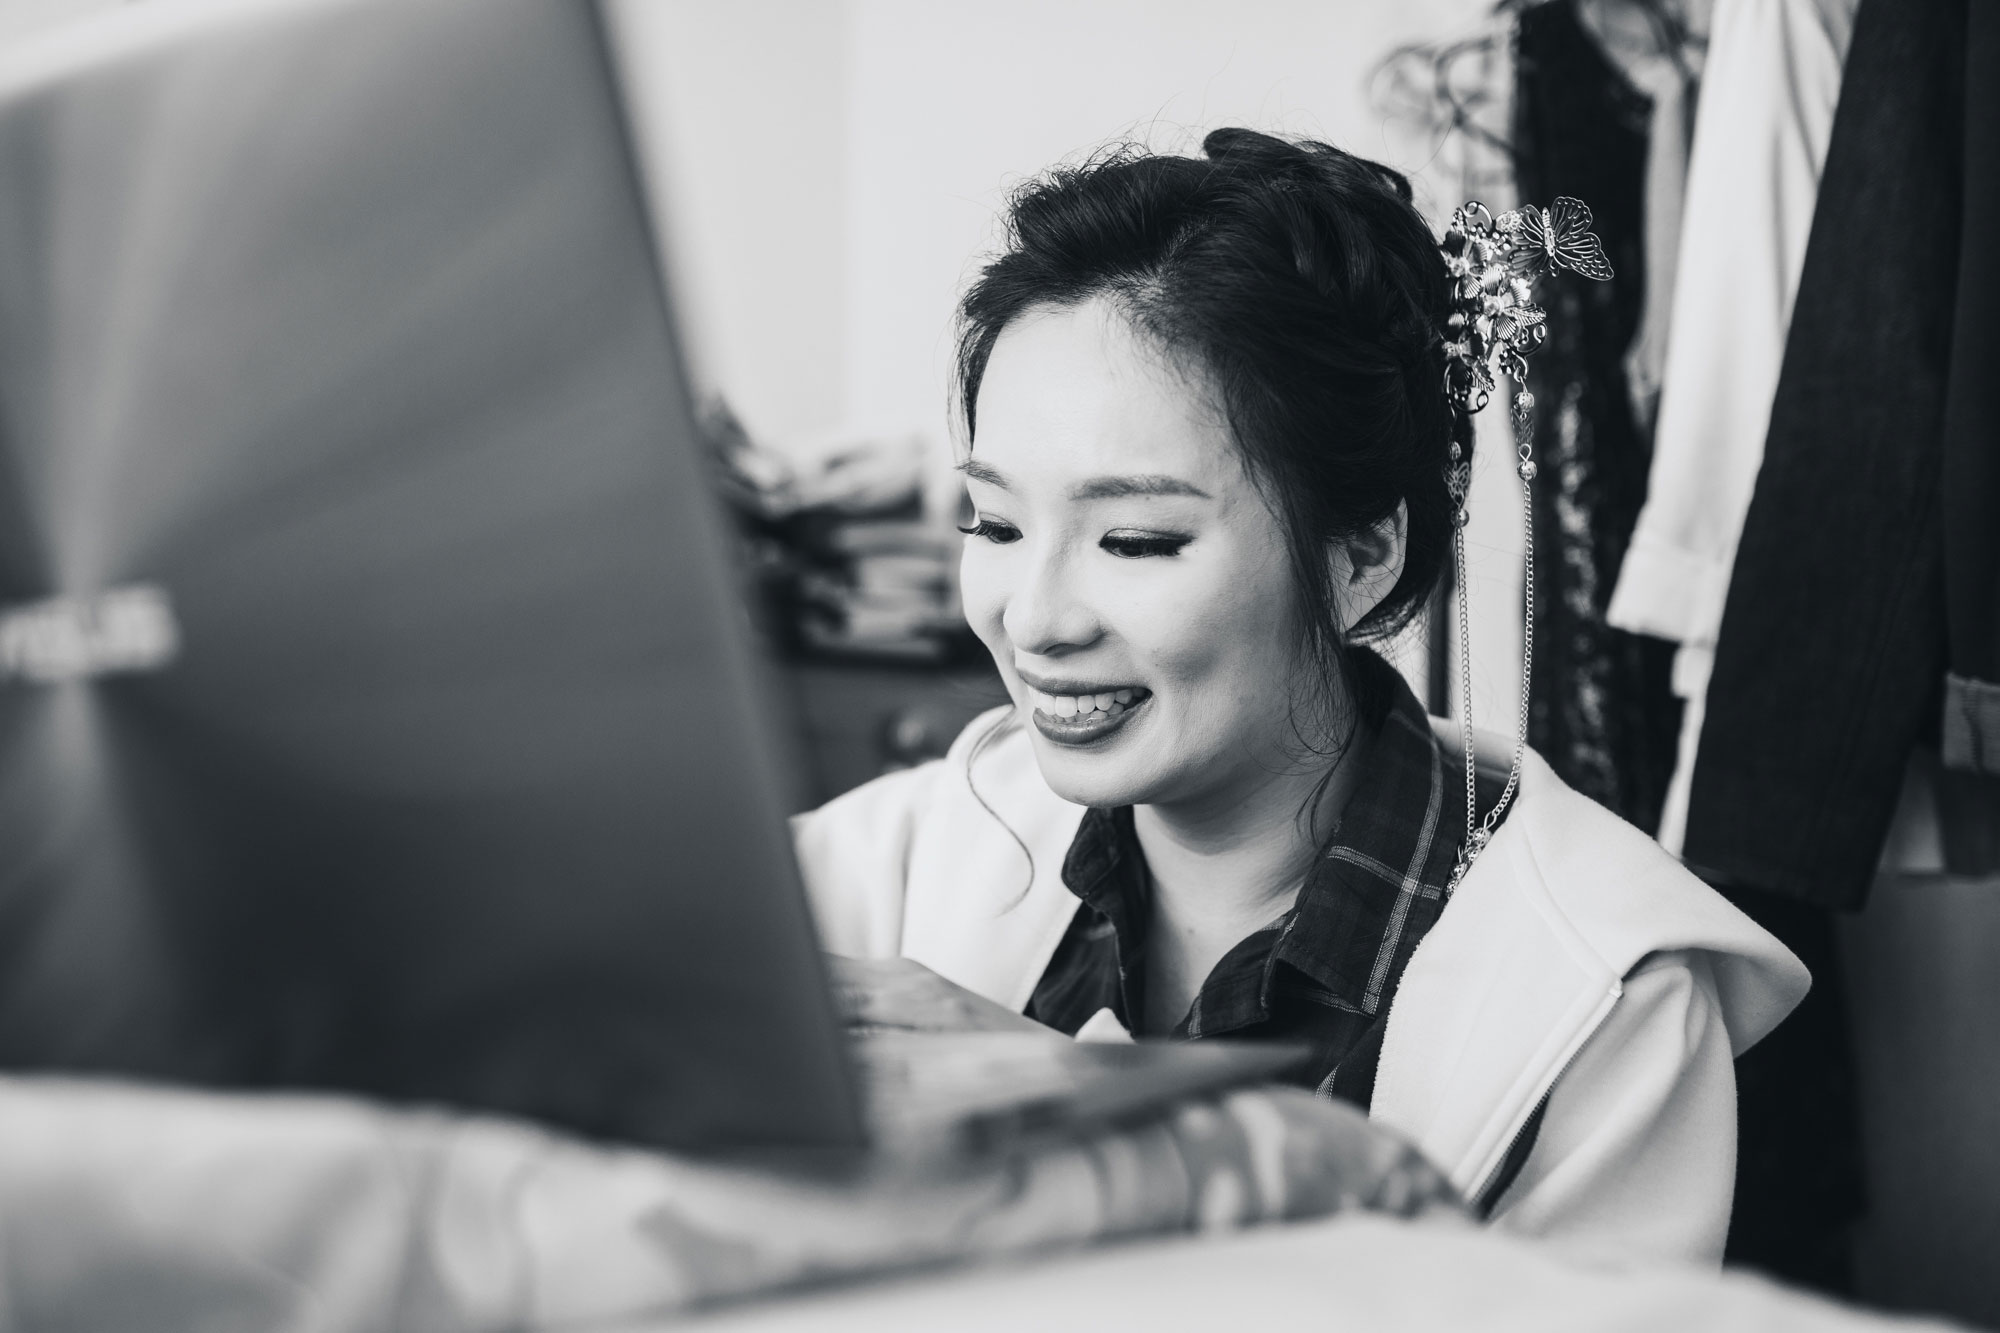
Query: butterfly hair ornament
x,y
1495,325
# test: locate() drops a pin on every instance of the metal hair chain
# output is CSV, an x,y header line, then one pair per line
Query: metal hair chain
x,y
1493,263
1479,833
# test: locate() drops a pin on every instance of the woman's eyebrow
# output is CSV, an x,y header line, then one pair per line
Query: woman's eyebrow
x,y
978,471
1097,488
1106,488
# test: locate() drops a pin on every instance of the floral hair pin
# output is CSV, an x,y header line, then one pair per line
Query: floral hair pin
x,y
1495,324
1494,262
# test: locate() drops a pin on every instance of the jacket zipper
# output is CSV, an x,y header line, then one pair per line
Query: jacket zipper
x,y
1499,1181
1481,1203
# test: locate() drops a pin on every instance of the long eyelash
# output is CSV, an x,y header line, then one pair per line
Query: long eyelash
x,y
1151,545
986,528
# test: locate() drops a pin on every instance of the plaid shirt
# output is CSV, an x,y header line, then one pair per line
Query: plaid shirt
x,y
1322,974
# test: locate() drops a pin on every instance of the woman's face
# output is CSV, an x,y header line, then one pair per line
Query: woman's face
x,y
1126,573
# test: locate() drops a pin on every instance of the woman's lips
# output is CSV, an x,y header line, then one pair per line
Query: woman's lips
x,y
1084,719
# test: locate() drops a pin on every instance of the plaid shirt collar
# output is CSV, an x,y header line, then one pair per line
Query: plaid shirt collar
x,y
1376,887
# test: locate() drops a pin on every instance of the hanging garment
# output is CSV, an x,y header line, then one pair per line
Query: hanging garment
x,y
1767,107
1799,1178
1671,85
1602,712
1766,113
1831,657
1969,787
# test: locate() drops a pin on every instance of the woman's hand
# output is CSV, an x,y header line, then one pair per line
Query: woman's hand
x,y
907,996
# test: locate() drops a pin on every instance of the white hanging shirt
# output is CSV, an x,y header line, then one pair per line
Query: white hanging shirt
x,y
1768,95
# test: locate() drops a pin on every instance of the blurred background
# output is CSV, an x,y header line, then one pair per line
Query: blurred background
x,y
827,173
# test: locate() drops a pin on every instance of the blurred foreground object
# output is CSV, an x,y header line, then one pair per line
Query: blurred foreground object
x,y
124,1208
75,638
375,711
155,1211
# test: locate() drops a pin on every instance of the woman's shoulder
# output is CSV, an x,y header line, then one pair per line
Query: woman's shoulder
x,y
1614,891
853,853
972,828
1577,954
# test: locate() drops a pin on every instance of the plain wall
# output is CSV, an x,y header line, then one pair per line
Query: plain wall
x,y
740,110
951,104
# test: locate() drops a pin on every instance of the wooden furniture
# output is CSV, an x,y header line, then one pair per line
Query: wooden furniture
x,y
856,721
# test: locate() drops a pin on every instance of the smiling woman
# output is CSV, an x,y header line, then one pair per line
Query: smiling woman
x,y
1121,545
1206,445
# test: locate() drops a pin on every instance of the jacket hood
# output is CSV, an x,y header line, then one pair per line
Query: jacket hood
x,y
1625,897
1530,956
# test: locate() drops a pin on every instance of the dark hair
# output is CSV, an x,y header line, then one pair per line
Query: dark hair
x,y
1300,283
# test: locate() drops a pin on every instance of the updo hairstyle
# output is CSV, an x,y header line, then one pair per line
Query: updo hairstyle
x,y
1300,288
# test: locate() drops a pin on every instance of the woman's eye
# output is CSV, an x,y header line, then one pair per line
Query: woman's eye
x,y
1134,545
993,531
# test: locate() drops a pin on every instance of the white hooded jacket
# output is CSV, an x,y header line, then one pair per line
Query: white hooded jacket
x,y
1576,962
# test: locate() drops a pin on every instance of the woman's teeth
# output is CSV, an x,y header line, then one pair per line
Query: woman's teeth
x,y
1082,705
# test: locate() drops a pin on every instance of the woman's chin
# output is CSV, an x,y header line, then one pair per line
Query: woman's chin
x,y
1093,763
1106,790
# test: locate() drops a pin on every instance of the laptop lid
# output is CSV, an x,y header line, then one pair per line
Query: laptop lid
x,y
376,709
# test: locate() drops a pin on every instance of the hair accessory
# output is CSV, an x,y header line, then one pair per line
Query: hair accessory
x,y
1495,323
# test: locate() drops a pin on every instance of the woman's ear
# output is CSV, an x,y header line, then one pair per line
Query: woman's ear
x,y
1365,568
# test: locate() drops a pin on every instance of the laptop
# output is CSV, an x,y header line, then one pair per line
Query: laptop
x,y
378,709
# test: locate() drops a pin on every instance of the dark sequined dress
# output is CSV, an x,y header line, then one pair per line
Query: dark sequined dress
x,y
1602,710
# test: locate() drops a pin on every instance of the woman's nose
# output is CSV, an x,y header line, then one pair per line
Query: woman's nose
x,y
1045,613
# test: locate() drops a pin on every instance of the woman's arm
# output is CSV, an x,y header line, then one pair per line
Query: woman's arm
x,y
1636,1152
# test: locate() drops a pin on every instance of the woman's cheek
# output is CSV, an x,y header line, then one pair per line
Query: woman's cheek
x,y
981,589
1211,631
1193,607
1163,620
